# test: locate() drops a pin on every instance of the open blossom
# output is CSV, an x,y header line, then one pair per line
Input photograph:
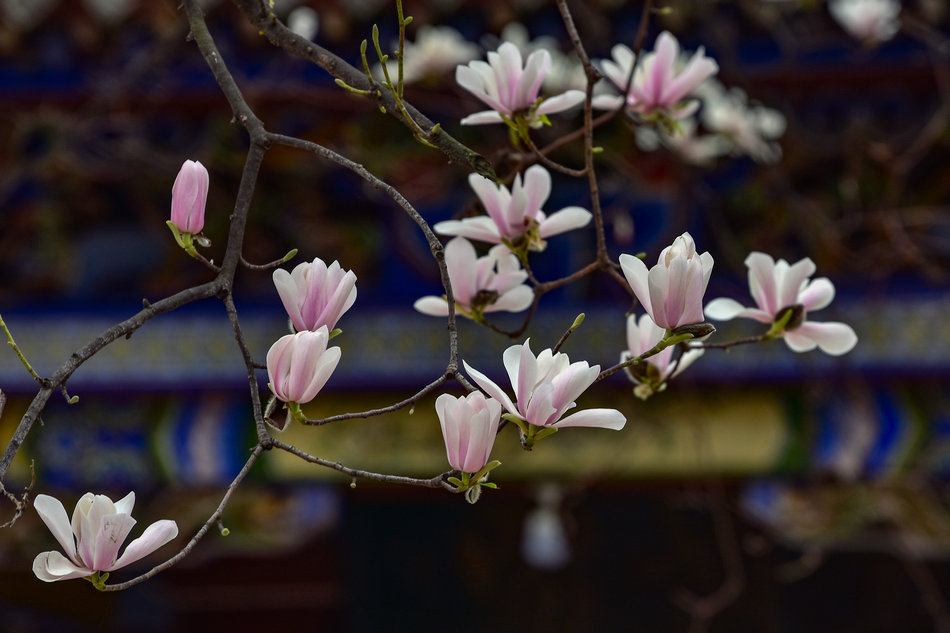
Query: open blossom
x,y
189,196
515,216
651,376
546,387
870,21
491,283
436,51
749,129
672,291
469,425
315,294
778,287
298,365
657,84
93,538
510,87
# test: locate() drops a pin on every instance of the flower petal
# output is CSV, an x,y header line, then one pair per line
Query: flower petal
x,y
603,418
817,294
567,219
54,515
432,305
113,530
481,228
832,338
154,536
485,117
491,388
637,276
53,566
562,102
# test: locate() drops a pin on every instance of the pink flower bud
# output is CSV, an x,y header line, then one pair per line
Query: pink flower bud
x,y
672,291
298,365
469,424
189,195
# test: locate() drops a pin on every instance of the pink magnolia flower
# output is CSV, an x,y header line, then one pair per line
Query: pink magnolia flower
x,y
510,89
92,540
298,365
546,387
189,196
480,284
469,425
672,291
651,376
515,217
656,85
778,287
870,21
315,294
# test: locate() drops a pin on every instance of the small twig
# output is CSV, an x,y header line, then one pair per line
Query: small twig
x,y
269,265
402,404
435,482
20,502
212,520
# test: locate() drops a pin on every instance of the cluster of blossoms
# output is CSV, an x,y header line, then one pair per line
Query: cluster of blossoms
x,y
869,21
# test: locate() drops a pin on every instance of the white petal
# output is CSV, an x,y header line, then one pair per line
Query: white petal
x,y
603,418
54,515
515,300
567,219
606,102
561,102
432,305
491,388
817,294
154,536
723,309
831,338
53,566
482,229
637,276
485,117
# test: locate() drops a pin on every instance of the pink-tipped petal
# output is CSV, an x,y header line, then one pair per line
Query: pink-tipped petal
x,y
762,283
113,531
460,261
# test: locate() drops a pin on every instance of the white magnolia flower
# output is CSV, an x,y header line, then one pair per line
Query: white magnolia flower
x,y
510,87
658,84
491,283
778,288
870,21
749,129
93,538
546,387
515,217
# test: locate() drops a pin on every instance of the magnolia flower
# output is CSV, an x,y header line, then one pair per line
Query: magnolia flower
x,y
515,218
480,284
870,21
298,365
92,540
189,195
749,129
469,424
510,89
315,295
436,51
546,387
656,84
652,375
779,289
566,73
672,291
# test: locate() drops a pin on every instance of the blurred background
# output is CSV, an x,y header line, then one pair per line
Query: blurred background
x,y
762,491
